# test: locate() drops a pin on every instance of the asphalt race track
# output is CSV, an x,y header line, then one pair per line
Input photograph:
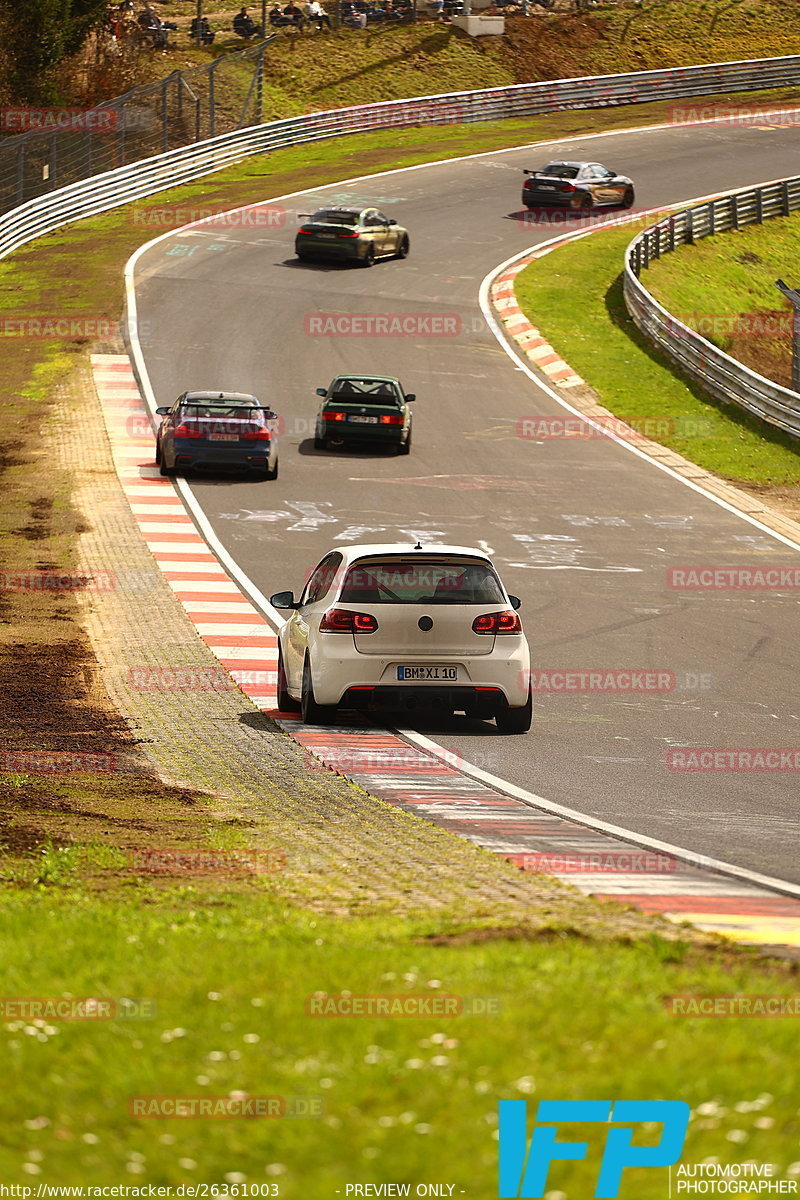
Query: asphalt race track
x,y
583,530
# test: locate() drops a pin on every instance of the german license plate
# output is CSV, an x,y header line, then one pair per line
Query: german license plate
x,y
547,187
328,236
363,420
434,674
223,437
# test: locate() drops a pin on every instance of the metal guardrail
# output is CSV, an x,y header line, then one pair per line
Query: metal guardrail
x,y
720,374
184,107
164,116
112,188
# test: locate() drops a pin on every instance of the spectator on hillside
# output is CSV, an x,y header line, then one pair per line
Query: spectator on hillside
x,y
200,31
153,27
294,13
244,26
356,20
315,12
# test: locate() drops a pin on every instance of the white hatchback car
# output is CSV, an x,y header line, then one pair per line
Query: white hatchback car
x,y
403,628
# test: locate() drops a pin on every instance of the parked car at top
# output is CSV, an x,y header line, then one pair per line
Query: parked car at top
x,y
360,235
404,627
217,429
579,185
364,408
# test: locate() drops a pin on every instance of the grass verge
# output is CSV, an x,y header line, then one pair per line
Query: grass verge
x,y
724,286
408,1099
577,303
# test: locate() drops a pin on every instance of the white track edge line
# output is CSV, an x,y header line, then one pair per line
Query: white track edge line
x,y
596,823
272,614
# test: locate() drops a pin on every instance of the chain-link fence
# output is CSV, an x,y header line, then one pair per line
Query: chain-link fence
x,y
185,107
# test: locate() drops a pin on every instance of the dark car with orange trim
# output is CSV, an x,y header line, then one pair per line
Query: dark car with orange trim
x,y
361,235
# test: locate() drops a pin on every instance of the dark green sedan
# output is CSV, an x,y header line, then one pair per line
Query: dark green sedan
x,y
364,408
360,235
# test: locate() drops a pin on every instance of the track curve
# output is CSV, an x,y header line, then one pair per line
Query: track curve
x,y
583,531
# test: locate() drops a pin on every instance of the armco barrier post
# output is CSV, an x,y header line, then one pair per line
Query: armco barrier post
x,y
793,296
164,120
20,172
52,162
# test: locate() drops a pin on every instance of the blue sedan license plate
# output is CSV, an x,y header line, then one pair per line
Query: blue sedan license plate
x,y
437,674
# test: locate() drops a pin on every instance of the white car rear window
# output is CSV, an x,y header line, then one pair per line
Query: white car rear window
x,y
421,581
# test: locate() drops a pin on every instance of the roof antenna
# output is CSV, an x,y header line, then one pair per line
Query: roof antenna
x,y
418,546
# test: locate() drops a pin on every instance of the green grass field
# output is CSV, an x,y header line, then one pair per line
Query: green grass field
x,y
575,298
722,286
404,1099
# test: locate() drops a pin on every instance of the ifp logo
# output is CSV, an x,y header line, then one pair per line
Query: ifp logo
x,y
524,1170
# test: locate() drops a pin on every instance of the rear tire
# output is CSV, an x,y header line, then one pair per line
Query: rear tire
x,y
272,472
515,720
405,447
320,443
286,703
313,713
586,204
163,468
369,257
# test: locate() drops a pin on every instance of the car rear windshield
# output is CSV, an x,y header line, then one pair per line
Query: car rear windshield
x,y
327,216
245,412
561,170
421,581
365,391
